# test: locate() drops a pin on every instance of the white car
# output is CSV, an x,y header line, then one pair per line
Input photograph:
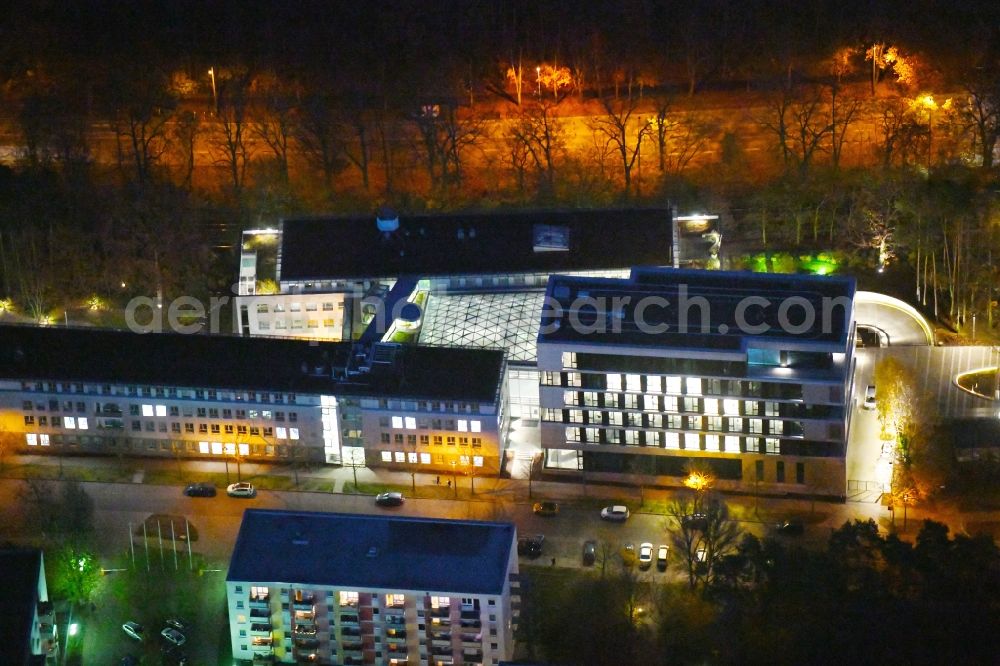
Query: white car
x,y
241,489
645,555
174,636
616,513
661,558
869,402
133,629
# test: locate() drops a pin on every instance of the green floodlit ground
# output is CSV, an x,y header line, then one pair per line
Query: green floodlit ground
x,y
822,263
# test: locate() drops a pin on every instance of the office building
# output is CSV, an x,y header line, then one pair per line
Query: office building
x,y
379,589
748,373
88,390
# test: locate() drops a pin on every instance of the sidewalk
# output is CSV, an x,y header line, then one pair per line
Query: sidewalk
x,y
330,479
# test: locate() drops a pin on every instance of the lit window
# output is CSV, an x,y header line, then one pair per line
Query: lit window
x,y
229,448
244,449
670,403
43,439
464,460
395,599
387,456
400,457
731,407
712,443
633,382
477,461
773,445
425,459
735,424
711,406
777,427
280,433
694,385
69,422
161,410
756,426
650,403
293,433
202,447
147,410
411,423
440,602
81,423
348,598
614,382
217,448
753,444
411,458
673,440
31,438
732,444
692,441
673,385
397,421
463,425
476,426
654,384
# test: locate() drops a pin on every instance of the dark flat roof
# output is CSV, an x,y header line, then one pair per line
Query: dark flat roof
x,y
231,362
19,571
653,297
410,553
472,243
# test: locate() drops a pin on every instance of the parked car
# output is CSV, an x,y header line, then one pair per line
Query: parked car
x,y
389,499
133,629
178,623
790,528
589,552
661,557
869,402
200,490
695,521
545,508
172,635
627,553
616,513
645,555
241,489
530,546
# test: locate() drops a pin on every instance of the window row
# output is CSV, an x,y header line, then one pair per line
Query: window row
x,y
689,441
163,445
677,385
737,424
413,423
68,422
216,429
423,405
206,412
425,440
671,403
413,458
262,308
158,392
297,324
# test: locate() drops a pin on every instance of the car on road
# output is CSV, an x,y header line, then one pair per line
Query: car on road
x,y
241,489
530,546
545,508
173,636
695,521
133,629
178,623
869,402
790,528
389,499
200,490
645,555
627,553
661,557
616,513
589,552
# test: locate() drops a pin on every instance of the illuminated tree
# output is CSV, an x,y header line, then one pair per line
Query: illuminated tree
x,y
275,117
701,534
623,132
537,138
233,142
554,78
982,111
143,105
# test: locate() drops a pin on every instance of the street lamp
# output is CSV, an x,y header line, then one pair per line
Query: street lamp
x,y
215,96
538,79
454,479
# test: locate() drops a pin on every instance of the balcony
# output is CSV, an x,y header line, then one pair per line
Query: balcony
x,y
260,613
304,630
260,629
304,602
437,649
472,624
395,633
305,615
350,631
110,424
351,646
440,612
260,601
395,620
307,643
349,620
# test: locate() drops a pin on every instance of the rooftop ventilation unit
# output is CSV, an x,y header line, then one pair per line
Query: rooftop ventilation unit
x,y
387,220
551,238
372,551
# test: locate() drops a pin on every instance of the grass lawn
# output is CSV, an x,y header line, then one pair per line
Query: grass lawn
x,y
76,473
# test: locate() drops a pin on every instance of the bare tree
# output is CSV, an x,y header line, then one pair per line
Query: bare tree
x,y
842,113
274,122
679,137
233,143
186,130
982,112
702,534
624,132
540,133
143,107
444,139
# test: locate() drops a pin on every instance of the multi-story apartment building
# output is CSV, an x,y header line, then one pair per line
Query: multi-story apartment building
x,y
27,620
471,279
357,589
112,392
748,373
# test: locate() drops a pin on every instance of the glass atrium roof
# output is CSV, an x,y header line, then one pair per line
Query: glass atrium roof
x,y
495,321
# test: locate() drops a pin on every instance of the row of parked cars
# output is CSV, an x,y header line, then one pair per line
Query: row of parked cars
x,y
238,489
172,635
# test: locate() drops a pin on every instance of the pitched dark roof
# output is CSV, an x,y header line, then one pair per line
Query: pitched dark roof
x,y
230,362
19,571
472,243
409,553
653,297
